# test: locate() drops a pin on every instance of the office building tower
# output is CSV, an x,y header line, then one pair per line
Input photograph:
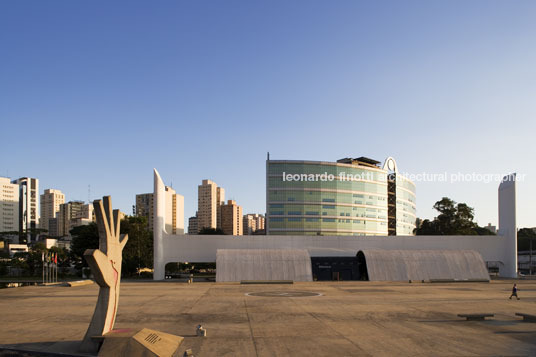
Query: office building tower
x,y
9,207
28,206
347,197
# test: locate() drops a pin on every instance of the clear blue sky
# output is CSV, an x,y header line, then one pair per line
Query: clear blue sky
x,y
99,93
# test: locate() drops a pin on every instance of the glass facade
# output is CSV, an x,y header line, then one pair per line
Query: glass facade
x,y
323,198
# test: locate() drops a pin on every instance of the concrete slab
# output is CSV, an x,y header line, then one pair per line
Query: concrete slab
x,y
348,318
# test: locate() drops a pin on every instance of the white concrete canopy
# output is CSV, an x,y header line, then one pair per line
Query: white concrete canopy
x,y
263,264
404,265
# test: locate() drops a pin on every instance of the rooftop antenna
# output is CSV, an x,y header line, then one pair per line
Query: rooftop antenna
x,y
268,156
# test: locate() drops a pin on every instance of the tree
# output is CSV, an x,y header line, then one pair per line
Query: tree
x,y
138,253
453,219
84,237
29,262
208,230
524,237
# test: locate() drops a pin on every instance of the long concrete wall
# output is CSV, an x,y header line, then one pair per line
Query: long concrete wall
x,y
202,248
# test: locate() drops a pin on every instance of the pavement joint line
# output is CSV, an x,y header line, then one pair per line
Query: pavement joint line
x,y
330,327
198,299
251,329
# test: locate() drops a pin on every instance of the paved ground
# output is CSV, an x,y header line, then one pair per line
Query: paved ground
x,y
348,319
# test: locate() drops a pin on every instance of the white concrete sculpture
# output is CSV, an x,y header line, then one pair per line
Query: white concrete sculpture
x,y
105,264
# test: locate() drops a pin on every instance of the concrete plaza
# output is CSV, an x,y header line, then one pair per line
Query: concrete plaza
x,y
347,319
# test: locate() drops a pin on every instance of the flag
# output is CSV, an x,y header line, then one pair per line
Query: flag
x,y
56,258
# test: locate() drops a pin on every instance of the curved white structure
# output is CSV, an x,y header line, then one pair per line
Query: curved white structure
x,y
500,249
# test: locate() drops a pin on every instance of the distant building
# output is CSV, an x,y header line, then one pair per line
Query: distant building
x,y
49,242
144,208
9,206
174,210
73,214
231,217
192,225
210,198
491,228
57,242
17,248
50,206
53,228
28,206
253,223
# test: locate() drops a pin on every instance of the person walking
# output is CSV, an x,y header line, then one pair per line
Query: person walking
x,y
514,292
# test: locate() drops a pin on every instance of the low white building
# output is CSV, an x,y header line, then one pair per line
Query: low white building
x,y
17,248
499,250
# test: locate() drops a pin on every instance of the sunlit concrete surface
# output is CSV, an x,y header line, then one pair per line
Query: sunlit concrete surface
x,y
347,319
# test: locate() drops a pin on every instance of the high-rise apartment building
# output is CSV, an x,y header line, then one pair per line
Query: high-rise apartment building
x,y
231,218
9,206
174,210
28,206
50,206
253,223
210,198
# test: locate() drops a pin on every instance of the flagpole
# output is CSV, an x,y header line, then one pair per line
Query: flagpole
x,y
43,265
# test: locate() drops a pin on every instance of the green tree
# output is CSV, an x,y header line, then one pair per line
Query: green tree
x,y
83,237
524,237
208,230
138,253
453,219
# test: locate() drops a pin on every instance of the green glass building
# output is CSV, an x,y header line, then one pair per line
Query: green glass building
x,y
347,197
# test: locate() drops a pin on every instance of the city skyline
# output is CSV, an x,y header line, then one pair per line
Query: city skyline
x,y
107,92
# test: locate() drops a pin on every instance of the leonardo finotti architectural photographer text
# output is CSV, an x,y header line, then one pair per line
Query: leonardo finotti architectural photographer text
x,y
420,177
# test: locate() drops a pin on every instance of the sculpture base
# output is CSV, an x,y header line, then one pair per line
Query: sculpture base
x,y
133,343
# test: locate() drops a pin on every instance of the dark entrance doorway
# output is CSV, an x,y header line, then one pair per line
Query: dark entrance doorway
x,y
335,268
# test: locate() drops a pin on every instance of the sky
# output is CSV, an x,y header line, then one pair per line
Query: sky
x,y
95,94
